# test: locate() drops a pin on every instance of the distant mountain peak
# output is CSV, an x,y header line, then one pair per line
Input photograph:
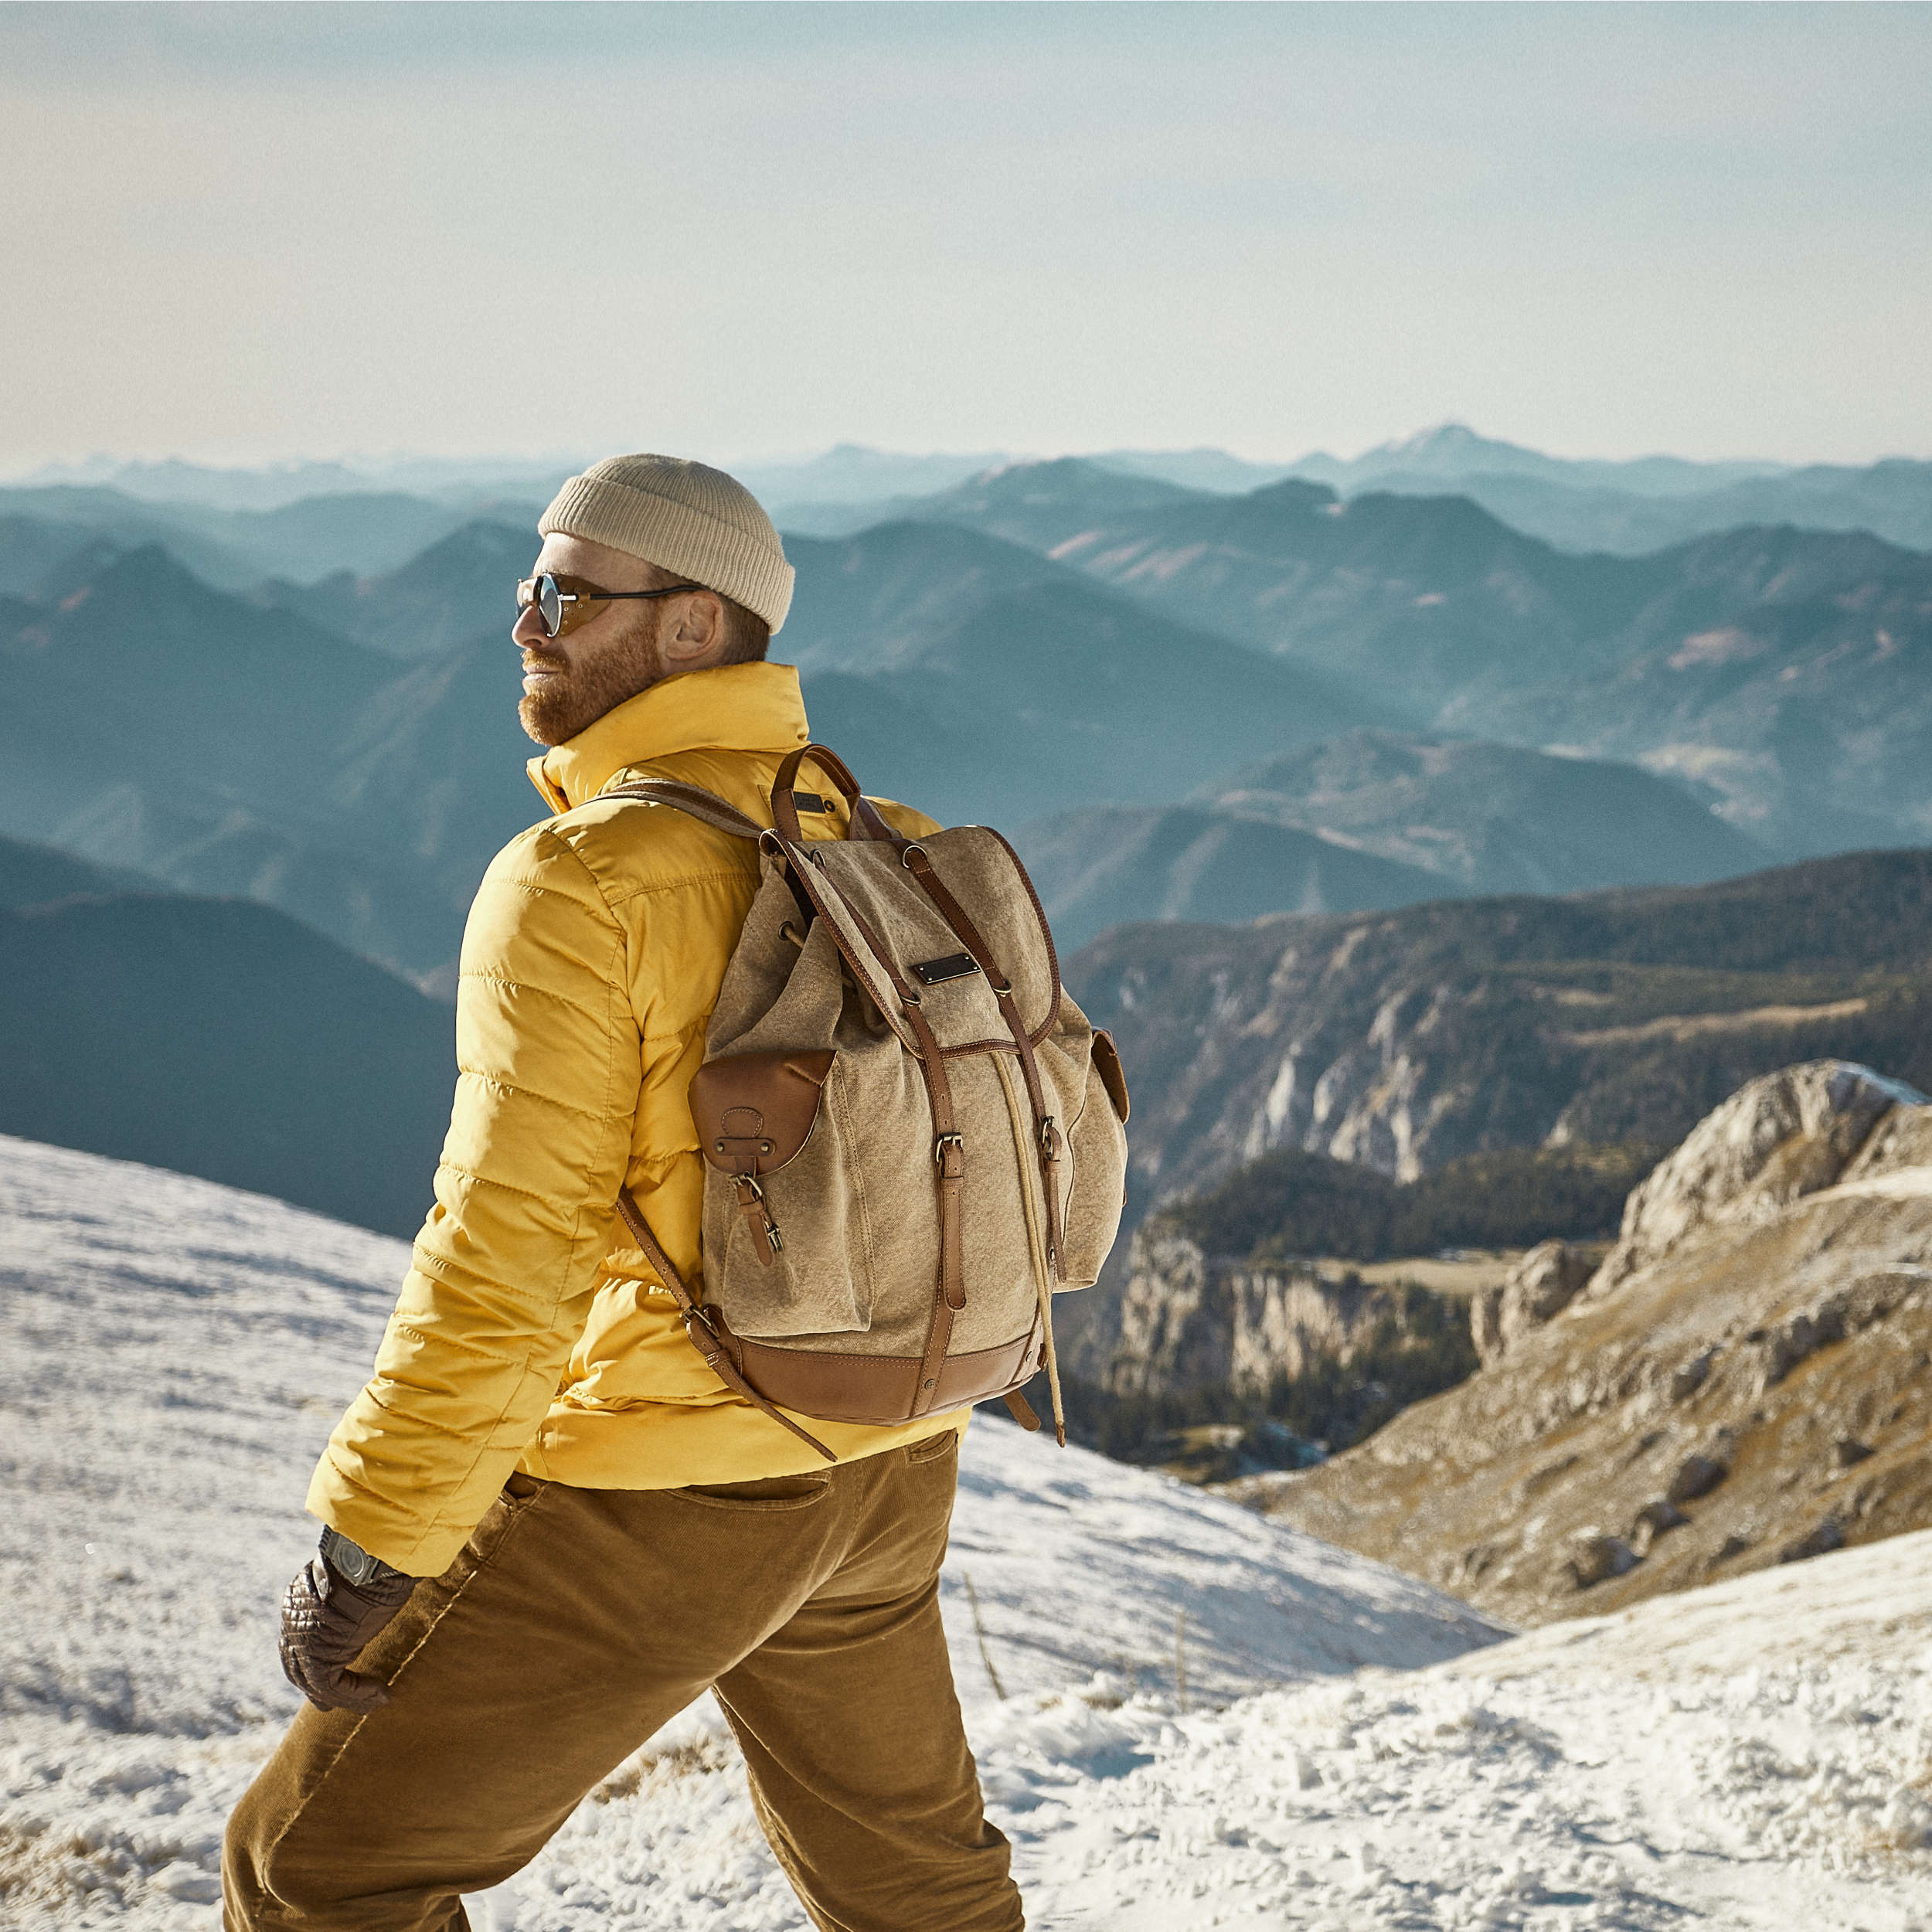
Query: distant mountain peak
x,y
1298,492
106,568
1458,437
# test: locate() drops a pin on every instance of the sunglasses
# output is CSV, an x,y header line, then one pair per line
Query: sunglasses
x,y
562,603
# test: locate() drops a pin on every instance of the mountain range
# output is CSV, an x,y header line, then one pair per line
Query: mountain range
x,y
1404,1040
1035,692
231,745
1097,642
1489,817
1628,507
366,532
1785,670
1449,454
1377,818
458,589
1110,865
1647,504
218,1038
1184,705
156,723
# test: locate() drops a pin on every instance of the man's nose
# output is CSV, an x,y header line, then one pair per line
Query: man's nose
x,y
529,628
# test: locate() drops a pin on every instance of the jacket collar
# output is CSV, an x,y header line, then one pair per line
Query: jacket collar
x,y
735,707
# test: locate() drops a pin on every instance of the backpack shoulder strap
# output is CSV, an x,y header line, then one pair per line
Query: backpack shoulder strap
x,y
709,809
694,801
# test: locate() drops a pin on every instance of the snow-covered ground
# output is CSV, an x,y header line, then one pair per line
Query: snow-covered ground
x,y
1356,1750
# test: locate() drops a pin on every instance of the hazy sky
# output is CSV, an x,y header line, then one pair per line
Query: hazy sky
x,y
246,232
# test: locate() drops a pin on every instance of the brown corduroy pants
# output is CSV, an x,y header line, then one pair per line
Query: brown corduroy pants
x,y
574,1624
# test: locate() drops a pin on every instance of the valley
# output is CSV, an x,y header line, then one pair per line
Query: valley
x,y
1738,1384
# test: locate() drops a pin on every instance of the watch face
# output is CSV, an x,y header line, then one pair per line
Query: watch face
x,y
350,1559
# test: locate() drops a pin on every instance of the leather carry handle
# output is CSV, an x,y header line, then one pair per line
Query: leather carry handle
x,y
697,1325
865,821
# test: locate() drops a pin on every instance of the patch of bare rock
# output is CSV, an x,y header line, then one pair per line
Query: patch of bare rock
x,y
1742,1382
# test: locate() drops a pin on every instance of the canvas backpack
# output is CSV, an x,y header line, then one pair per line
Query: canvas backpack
x,y
912,1138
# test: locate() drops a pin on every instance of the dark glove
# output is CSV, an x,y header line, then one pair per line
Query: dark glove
x,y
326,1620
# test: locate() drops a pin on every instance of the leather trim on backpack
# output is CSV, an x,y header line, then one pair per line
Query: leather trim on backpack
x,y
1046,932
754,1111
881,1389
1106,1063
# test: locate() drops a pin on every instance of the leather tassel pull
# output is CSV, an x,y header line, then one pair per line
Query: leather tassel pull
x,y
1022,1411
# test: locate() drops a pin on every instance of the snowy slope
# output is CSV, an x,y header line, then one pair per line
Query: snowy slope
x,y
172,1354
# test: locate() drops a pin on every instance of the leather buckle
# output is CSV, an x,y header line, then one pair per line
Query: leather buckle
x,y
949,1151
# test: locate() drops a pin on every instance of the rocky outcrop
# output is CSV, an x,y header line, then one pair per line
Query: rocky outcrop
x,y
1744,1381
1777,1140
1190,1320
1540,1286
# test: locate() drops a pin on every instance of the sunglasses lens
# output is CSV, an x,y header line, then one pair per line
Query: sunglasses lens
x,y
539,594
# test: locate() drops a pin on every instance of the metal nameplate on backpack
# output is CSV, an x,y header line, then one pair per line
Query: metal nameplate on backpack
x,y
931,972
810,802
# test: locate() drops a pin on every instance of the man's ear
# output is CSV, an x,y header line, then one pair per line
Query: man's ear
x,y
698,631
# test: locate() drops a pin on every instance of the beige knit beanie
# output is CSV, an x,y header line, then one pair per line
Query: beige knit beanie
x,y
684,517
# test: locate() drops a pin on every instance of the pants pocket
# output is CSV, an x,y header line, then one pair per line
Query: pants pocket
x,y
934,1448
767,1493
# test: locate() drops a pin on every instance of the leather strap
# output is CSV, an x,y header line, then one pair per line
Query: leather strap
x,y
697,1324
695,801
1045,1129
949,1156
865,820
949,1165
765,1237
709,809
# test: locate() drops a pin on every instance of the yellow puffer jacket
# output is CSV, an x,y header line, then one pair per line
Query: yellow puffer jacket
x,y
523,1338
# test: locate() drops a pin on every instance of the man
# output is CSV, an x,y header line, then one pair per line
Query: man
x,y
549,1526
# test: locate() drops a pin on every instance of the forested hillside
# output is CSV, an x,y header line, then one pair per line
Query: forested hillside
x,y
1402,1039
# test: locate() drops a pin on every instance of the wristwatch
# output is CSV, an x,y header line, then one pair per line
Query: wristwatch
x,y
353,1563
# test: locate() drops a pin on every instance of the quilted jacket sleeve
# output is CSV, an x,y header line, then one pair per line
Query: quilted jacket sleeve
x,y
504,1271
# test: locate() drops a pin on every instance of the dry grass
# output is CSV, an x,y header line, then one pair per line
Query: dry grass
x,y
690,1757
54,1867
1680,1027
